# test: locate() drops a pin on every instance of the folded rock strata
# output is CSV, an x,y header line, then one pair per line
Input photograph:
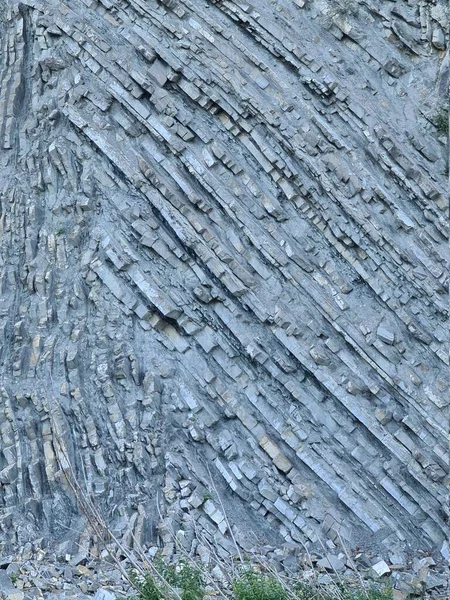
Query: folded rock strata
x,y
223,271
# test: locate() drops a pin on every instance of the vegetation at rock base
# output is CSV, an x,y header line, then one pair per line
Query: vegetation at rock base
x,y
184,578
258,586
185,581
146,587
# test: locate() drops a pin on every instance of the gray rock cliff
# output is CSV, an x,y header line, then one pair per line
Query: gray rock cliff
x,y
224,271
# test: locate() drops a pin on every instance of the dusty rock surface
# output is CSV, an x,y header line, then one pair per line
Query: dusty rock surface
x,y
223,274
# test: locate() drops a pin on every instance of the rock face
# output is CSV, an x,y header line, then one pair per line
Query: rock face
x,y
223,271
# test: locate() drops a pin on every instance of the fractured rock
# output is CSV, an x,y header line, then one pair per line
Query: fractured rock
x,y
223,274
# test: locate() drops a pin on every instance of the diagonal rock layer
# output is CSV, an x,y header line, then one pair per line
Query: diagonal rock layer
x,y
223,271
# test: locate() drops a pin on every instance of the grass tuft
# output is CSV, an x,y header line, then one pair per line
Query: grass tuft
x,y
185,578
258,586
441,120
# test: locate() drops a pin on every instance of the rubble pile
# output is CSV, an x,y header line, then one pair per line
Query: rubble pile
x,y
40,575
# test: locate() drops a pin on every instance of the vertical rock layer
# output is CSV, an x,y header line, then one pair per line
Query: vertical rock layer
x,y
223,270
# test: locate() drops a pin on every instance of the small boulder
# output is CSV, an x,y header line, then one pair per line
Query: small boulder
x,y
103,594
380,568
385,334
331,562
438,39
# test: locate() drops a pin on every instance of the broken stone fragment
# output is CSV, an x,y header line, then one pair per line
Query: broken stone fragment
x,y
438,39
104,594
266,491
404,221
445,550
394,68
331,562
408,583
380,568
435,580
385,334
159,72
383,415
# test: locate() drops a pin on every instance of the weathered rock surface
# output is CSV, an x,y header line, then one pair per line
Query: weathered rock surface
x,y
223,272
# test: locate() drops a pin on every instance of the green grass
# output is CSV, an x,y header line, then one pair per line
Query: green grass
x,y
258,586
187,580
146,587
185,577
441,121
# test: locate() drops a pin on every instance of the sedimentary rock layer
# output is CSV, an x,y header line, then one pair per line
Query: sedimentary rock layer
x,y
223,270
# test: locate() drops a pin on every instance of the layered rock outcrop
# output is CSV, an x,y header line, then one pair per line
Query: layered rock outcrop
x,y
223,271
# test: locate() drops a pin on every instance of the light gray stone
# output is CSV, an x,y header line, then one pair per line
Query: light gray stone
x,y
331,563
385,334
380,568
438,38
104,594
